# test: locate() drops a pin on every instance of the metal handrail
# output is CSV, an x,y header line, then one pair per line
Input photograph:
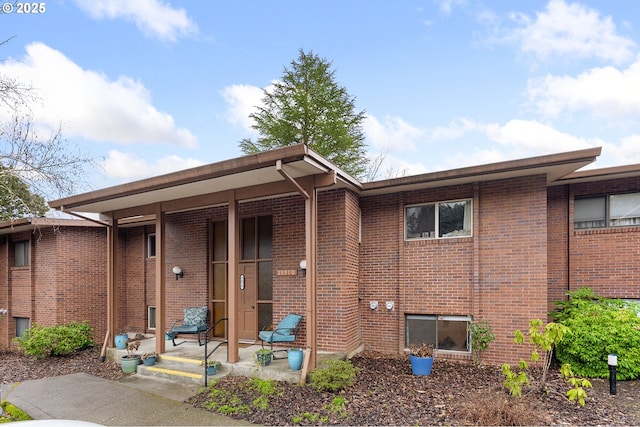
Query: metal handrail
x,y
208,353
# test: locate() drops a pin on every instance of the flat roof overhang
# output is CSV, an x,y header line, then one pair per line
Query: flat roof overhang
x,y
299,161
30,224
554,166
258,169
602,174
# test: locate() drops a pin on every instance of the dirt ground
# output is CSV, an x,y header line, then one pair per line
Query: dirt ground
x,y
386,393
456,393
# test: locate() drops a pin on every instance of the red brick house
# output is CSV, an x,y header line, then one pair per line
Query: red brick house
x,y
390,262
52,271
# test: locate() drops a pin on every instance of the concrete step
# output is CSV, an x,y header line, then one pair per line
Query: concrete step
x,y
179,369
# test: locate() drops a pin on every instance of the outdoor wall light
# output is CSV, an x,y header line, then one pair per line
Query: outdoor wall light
x,y
303,267
178,272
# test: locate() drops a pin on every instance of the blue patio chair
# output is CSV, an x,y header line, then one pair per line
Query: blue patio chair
x,y
194,322
284,332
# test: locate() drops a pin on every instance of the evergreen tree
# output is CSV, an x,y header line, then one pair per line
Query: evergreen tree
x,y
308,106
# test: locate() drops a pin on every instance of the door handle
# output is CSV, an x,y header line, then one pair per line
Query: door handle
x,y
242,282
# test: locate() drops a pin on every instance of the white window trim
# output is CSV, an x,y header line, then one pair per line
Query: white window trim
x,y
458,318
149,245
437,219
151,309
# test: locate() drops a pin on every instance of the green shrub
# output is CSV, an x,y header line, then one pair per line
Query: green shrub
x,y
481,336
338,375
599,327
44,341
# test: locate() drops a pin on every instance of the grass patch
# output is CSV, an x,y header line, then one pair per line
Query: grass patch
x,y
253,394
11,413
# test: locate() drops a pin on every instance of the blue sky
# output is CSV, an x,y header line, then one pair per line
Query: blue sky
x,y
153,86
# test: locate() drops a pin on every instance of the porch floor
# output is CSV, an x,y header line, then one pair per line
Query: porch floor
x,y
182,363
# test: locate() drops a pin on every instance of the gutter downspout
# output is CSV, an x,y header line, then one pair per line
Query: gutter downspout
x,y
112,239
311,227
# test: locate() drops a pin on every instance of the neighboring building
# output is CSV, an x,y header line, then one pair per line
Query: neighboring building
x,y
52,271
434,251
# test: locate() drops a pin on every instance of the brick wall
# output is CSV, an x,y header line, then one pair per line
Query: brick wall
x,y
605,260
557,244
338,264
512,263
500,273
64,282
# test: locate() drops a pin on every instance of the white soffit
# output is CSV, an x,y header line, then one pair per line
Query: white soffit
x,y
244,179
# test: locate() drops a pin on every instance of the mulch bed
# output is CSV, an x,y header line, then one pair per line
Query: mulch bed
x,y
456,393
386,393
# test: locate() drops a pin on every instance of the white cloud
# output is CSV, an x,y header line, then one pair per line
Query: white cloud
x,y
90,105
127,166
530,136
570,30
624,153
456,129
604,92
242,101
393,133
153,17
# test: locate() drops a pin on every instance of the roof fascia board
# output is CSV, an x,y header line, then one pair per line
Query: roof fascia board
x,y
499,170
200,173
601,174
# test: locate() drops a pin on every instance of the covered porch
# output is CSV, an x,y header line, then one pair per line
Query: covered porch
x,y
291,173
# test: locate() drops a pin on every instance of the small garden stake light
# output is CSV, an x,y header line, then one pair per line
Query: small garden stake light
x,y
613,362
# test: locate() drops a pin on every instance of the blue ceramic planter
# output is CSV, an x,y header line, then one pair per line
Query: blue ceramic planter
x,y
421,365
295,356
121,341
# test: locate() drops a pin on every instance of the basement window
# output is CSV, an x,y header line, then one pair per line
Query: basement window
x,y
22,324
445,333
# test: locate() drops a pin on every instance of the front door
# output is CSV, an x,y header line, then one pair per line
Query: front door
x,y
247,302
255,278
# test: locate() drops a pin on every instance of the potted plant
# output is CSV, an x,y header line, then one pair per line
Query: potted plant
x,y
263,356
149,359
212,366
421,358
129,362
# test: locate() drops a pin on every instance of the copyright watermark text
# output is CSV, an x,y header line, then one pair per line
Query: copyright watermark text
x,y
34,8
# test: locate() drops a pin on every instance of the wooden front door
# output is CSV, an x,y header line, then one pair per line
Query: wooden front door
x,y
247,302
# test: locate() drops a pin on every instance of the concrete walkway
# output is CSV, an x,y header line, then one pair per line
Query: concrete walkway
x,y
134,401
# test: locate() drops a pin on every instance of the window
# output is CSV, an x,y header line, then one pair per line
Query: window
x,y
21,253
615,210
151,245
438,220
151,317
448,333
22,324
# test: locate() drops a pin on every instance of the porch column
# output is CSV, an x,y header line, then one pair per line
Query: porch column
x,y
161,298
233,237
112,243
311,237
